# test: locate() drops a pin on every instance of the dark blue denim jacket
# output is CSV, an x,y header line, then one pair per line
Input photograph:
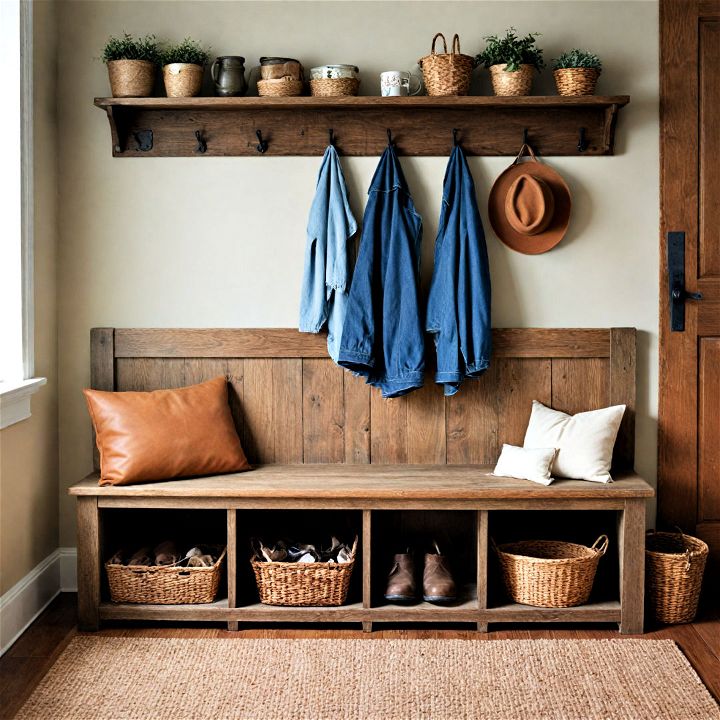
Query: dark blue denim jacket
x,y
382,337
458,310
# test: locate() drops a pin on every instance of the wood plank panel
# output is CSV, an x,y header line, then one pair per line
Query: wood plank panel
x,y
389,431
287,410
149,373
323,418
357,419
709,92
102,371
520,381
426,433
236,380
198,370
580,384
288,342
472,421
623,380
258,432
709,430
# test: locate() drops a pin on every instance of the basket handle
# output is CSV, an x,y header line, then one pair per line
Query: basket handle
x,y
456,45
434,40
601,545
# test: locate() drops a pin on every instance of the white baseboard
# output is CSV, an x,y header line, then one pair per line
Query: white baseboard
x,y
68,569
25,600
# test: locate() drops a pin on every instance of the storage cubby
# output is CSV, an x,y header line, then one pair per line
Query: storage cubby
x,y
308,526
394,531
580,526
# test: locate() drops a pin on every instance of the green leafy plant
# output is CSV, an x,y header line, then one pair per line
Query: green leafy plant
x,y
578,59
128,48
512,51
188,51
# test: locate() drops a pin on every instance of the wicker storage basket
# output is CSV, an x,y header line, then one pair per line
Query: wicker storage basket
x,y
675,566
164,585
548,573
514,83
303,584
576,81
328,87
447,73
285,87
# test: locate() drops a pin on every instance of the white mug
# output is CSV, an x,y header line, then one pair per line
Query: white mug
x,y
396,83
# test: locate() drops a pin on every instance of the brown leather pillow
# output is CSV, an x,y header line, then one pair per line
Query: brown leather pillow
x,y
145,436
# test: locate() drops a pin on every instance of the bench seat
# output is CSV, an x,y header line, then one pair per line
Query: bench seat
x,y
371,482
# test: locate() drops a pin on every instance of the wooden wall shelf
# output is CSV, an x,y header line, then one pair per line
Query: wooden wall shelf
x,y
421,126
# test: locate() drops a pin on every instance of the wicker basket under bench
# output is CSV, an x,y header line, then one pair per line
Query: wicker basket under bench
x,y
317,412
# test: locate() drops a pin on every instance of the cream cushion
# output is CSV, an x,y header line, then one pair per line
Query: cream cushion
x,y
526,463
584,441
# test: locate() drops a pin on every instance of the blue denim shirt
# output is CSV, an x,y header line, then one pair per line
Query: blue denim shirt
x,y
326,278
458,310
383,335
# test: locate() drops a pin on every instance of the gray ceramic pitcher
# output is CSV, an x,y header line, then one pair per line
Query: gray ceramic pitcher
x,y
228,73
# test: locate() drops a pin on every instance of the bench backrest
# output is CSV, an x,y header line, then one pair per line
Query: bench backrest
x,y
292,404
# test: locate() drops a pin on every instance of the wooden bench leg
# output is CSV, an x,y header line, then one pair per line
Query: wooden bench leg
x,y
88,563
233,625
631,540
482,564
367,626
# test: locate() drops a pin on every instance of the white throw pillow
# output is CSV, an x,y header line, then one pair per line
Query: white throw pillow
x,y
584,441
526,463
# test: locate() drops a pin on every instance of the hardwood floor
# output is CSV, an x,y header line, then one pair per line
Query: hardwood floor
x,y
23,666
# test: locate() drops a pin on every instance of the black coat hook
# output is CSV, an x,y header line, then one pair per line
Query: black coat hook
x,y
390,140
201,142
582,145
525,136
331,137
262,145
455,140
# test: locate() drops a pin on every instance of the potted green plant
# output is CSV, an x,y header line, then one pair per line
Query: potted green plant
x,y
576,72
183,67
131,65
512,61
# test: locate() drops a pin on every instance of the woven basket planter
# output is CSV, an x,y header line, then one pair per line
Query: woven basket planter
x,y
285,87
183,79
548,573
675,564
514,83
576,81
329,87
165,584
303,584
447,73
131,78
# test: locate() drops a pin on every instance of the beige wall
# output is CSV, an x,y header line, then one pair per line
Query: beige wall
x,y
219,241
29,449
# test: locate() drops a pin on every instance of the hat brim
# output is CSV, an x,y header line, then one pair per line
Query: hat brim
x,y
553,233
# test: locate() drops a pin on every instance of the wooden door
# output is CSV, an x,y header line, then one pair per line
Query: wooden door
x,y
689,413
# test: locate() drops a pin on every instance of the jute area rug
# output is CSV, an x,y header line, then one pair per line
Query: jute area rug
x,y
101,678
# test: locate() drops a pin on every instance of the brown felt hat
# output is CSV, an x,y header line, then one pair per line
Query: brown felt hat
x,y
529,206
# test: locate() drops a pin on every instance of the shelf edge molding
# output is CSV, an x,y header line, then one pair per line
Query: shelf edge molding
x,y
421,126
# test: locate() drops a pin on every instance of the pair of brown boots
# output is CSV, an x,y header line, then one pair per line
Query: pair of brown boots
x,y
438,583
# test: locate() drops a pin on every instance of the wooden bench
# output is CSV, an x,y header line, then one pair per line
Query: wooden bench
x,y
328,447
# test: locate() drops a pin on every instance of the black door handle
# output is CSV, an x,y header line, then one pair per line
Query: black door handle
x,y
676,281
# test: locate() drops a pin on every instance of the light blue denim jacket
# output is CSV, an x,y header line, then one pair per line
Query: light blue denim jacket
x,y
383,337
326,278
458,312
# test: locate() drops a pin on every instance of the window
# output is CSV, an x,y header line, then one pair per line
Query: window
x,y
16,214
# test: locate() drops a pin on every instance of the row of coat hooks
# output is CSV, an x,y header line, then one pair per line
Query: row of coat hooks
x,y
263,144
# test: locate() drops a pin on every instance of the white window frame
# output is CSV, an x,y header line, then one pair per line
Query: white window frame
x,y
15,396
